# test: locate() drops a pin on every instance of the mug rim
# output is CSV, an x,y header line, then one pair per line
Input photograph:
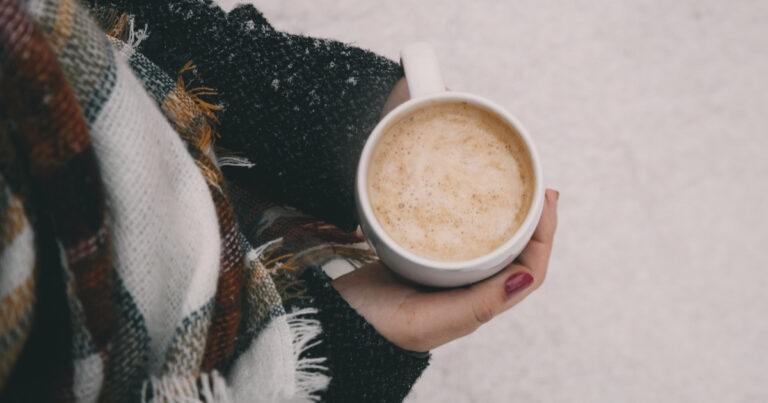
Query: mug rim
x,y
473,264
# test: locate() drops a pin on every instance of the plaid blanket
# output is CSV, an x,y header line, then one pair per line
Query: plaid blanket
x,y
126,272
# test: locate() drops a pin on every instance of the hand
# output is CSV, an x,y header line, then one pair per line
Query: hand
x,y
420,319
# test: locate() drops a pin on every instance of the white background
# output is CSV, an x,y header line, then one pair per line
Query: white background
x,y
652,120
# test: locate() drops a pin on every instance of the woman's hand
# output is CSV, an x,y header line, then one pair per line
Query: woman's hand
x,y
420,319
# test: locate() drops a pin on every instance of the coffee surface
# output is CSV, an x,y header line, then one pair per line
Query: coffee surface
x,y
450,181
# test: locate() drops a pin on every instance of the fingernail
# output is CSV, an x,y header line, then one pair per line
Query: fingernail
x,y
517,282
552,195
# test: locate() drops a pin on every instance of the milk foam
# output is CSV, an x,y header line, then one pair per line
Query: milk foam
x,y
450,181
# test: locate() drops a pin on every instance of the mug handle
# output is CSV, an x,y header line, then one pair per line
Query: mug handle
x,y
422,71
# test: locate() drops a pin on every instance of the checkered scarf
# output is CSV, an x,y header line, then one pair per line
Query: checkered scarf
x,y
129,268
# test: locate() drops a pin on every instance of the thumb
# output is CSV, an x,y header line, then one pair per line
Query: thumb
x,y
460,311
479,303
513,284
499,293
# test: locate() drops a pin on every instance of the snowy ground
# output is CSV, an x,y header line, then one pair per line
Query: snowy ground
x,y
652,119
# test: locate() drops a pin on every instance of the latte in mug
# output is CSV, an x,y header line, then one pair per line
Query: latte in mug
x,y
450,181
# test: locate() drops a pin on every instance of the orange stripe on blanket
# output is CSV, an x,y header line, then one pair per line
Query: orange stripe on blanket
x,y
63,28
15,323
14,221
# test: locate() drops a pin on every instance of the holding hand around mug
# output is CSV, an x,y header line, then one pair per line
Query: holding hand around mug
x,y
420,319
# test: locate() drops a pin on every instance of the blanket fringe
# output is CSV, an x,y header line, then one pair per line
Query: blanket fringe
x,y
121,30
211,388
194,93
257,254
234,161
135,36
283,272
311,375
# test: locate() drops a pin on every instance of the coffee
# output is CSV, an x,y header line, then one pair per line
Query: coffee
x,y
450,181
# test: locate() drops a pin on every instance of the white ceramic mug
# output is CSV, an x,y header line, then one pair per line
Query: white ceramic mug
x,y
426,87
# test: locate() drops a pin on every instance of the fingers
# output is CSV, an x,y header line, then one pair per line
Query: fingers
x,y
457,312
545,231
499,293
505,289
535,256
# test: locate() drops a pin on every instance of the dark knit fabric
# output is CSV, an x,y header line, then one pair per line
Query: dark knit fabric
x,y
299,108
50,148
364,366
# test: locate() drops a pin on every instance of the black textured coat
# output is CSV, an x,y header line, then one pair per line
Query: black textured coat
x,y
300,109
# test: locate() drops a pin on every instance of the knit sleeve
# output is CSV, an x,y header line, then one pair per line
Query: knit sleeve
x,y
299,108
363,365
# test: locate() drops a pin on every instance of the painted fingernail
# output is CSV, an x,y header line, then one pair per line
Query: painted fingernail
x,y
517,282
557,195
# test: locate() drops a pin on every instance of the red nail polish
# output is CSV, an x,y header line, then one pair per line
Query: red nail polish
x,y
517,282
